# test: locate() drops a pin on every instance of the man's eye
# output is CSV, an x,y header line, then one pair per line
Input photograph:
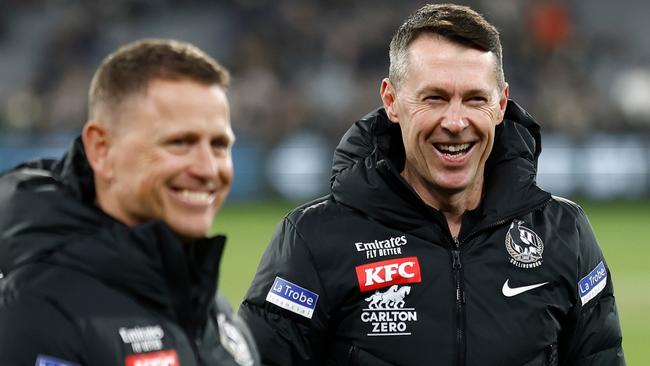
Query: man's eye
x,y
220,145
179,145
477,100
179,142
434,98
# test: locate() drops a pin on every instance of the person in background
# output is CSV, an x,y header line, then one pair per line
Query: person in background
x,y
435,245
104,254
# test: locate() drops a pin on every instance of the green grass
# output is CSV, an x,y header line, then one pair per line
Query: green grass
x,y
249,228
622,228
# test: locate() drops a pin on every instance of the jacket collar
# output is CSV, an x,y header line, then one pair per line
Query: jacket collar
x,y
370,156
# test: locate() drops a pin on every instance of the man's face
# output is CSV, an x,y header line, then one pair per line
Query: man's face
x,y
448,106
170,157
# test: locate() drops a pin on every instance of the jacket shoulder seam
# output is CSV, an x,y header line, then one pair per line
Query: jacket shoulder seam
x,y
311,257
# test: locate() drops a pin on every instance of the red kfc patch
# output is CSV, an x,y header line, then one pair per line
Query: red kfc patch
x,y
389,272
162,358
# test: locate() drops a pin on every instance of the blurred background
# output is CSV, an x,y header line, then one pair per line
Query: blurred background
x,y
304,71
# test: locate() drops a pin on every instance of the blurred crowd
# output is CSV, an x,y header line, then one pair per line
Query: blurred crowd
x,y
314,65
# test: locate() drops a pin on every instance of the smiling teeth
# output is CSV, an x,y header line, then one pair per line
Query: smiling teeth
x,y
197,197
453,148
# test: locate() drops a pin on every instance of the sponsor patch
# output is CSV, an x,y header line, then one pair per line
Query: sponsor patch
x,y
524,246
381,248
161,358
386,314
593,283
292,297
43,360
143,339
396,271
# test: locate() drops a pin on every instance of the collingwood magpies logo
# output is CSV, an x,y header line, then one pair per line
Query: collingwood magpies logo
x,y
524,246
234,342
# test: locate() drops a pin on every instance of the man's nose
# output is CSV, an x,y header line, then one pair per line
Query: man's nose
x,y
205,164
454,120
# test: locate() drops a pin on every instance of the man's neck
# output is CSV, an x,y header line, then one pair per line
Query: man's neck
x,y
453,207
452,204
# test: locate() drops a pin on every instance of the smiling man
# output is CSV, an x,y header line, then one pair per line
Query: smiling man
x,y
104,253
447,106
435,246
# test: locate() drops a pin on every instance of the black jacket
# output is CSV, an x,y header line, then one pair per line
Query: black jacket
x,y
80,288
394,288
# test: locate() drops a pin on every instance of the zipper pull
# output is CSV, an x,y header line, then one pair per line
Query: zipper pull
x,y
460,296
455,254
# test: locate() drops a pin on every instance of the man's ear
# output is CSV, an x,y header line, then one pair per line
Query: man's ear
x,y
388,97
96,137
503,102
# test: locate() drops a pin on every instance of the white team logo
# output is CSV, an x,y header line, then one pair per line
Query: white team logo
x,y
524,246
234,342
393,298
382,248
143,339
386,314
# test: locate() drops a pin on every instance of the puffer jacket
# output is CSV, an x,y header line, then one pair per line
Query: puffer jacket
x,y
370,275
80,288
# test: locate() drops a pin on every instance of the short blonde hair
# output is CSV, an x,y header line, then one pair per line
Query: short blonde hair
x,y
129,70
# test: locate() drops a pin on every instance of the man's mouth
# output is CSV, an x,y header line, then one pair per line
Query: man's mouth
x,y
196,197
454,150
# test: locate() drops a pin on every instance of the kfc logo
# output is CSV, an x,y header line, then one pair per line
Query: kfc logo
x,y
162,358
390,272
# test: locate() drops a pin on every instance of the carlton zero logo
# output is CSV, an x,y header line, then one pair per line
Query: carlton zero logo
x,y
386,313
162,358
397,271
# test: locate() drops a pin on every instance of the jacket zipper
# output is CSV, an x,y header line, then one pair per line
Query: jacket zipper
x,y
500,222
457,267
551,355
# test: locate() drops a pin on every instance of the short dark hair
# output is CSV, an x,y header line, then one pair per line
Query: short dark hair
x,y
457,23
130,68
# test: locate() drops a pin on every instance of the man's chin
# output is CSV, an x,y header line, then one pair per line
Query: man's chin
x,y
452,185
457,181
190,232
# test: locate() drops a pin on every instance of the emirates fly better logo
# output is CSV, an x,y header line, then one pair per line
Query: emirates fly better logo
x,y
390,272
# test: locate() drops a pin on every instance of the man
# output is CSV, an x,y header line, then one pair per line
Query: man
x,y
104,253
435,246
